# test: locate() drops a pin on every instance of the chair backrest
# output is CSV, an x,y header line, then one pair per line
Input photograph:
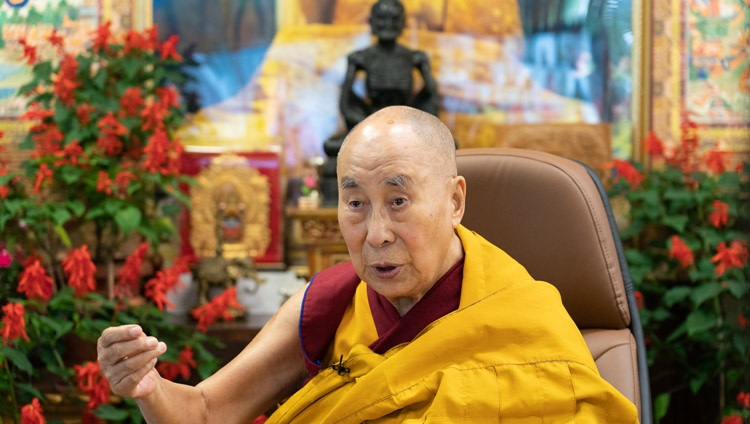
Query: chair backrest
x,y
552,215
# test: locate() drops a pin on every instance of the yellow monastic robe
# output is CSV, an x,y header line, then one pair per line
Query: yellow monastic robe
x,y
509,354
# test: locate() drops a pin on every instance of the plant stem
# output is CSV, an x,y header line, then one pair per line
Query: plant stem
x,y
14,402
722,364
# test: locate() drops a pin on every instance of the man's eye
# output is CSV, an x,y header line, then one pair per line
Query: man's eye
x,y
355,203
400,201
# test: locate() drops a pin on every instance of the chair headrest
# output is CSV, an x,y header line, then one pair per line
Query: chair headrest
x,y
546,212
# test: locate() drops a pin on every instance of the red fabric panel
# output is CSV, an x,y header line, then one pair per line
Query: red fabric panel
x,y
393,329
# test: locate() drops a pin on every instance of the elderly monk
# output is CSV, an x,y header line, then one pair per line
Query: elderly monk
x,y
428,323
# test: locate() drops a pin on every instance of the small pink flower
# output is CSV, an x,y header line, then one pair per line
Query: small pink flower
x,y
310,181
5,258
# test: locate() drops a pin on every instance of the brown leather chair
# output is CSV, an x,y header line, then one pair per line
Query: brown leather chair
x,y
552,215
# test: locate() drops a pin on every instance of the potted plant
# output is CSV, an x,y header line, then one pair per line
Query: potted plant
x,y
102,177
686,242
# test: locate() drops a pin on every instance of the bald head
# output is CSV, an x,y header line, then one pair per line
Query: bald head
x,y
406,127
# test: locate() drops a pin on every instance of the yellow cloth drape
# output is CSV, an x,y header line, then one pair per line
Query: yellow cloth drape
x,y
509,354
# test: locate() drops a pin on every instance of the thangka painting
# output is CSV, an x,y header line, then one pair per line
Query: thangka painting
x,y
268,73
701,69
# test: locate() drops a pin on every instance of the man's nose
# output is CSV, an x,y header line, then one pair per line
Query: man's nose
x,y
379,231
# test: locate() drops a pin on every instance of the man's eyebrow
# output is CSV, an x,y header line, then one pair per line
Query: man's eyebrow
x,y
348,182
399,180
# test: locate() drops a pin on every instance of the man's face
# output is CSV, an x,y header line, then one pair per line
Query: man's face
x,y
398,209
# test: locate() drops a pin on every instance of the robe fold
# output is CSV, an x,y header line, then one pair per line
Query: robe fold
x,y
509,353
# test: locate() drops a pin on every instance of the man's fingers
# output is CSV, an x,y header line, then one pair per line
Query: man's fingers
x,y
114,335
128,373
129,380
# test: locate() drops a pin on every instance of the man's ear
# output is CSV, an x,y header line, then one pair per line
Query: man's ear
x,y
458,199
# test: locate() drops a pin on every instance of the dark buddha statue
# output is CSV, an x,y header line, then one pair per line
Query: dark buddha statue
x,y
388,69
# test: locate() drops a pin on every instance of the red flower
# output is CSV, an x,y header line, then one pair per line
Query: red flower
x,y
55,39
109,125
156,288
84,113
103,183
135,40
162,154
14,326
80,270
153,117
123,179
220,306
43,175
29,51
34,113
70,154
110,145
727,257
102,35
681,252
719,215
5,258
168,97
639,299
153,36
686,159
65,81
34,282
130,274
715,161
625,169
47,138
654,145
92,382
169,48
741,320
32,413
131,101
743,399
181,368
732,419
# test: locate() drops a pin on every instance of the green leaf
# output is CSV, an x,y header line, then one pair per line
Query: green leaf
x,y
71,174
705,292
30,389
100,79
18,359
111,413
95,212
76,207
676,294
112,206
741,342
697,382
699,321
128,219
738,288
63,235
661,405
677,222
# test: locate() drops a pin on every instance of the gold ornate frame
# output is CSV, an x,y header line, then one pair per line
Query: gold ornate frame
x,y
229,176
